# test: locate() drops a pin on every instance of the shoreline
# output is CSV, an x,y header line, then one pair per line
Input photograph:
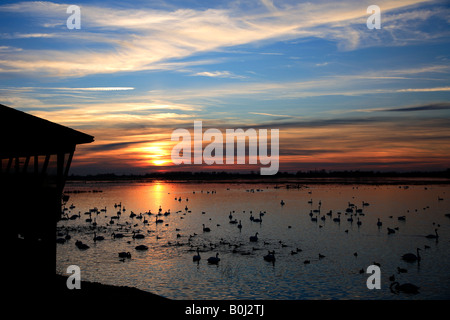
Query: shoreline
x,y
289,182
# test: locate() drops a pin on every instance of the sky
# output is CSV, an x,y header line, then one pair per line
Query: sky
x,y
343,96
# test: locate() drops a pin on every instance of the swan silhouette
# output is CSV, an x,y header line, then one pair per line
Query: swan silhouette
x,y
433,236
98,238
214,260
379,223
196,257
405,287
254,238
411,257
141,247
138,236
124,255
270,257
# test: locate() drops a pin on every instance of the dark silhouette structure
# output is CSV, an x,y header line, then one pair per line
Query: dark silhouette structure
x,y
35,159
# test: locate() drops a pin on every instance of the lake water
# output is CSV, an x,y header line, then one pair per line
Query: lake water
x,y
167,267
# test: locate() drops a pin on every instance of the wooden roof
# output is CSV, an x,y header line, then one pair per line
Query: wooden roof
x,y
22,134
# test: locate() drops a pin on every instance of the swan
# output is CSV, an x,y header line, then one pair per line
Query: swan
x,y
258,219
379,223
206,229
138,236
80,245
270,257
401,270
254,238
124,255
141,247
196,257
98,238
406,288
159,220
390,231
239,225
433,236
411,257
214,260
117,235
358,222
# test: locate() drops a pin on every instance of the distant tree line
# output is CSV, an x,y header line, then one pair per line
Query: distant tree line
x,y
223,175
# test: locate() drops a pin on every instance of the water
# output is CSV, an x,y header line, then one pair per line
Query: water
x,y
167,268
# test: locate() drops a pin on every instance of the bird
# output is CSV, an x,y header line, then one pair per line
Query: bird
x,y
117,235
98,238
321,256
433,236
406,288
206,229
411,257
80,245
390,231
270,257
214,260
401,270
196,257
124,255
141,247
254,238
138,236
379,223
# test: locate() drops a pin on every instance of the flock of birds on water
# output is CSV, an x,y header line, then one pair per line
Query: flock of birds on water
x,y
130,229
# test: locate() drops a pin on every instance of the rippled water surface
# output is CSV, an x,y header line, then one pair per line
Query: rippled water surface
x,y
167,268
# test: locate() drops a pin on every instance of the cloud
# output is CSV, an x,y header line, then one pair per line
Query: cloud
x,y
146,39
218,74
116,145
95,89
425,89
427,107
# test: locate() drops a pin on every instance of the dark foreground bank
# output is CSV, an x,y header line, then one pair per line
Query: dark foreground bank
x,y
95,289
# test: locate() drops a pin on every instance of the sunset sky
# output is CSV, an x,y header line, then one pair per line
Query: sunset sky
x,y
343,97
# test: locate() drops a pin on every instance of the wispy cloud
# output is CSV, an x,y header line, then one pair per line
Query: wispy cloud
x,y
218,74
425,89
427,107
143,39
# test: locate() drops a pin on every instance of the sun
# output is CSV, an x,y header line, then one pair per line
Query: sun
x,y
155,154
159,162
